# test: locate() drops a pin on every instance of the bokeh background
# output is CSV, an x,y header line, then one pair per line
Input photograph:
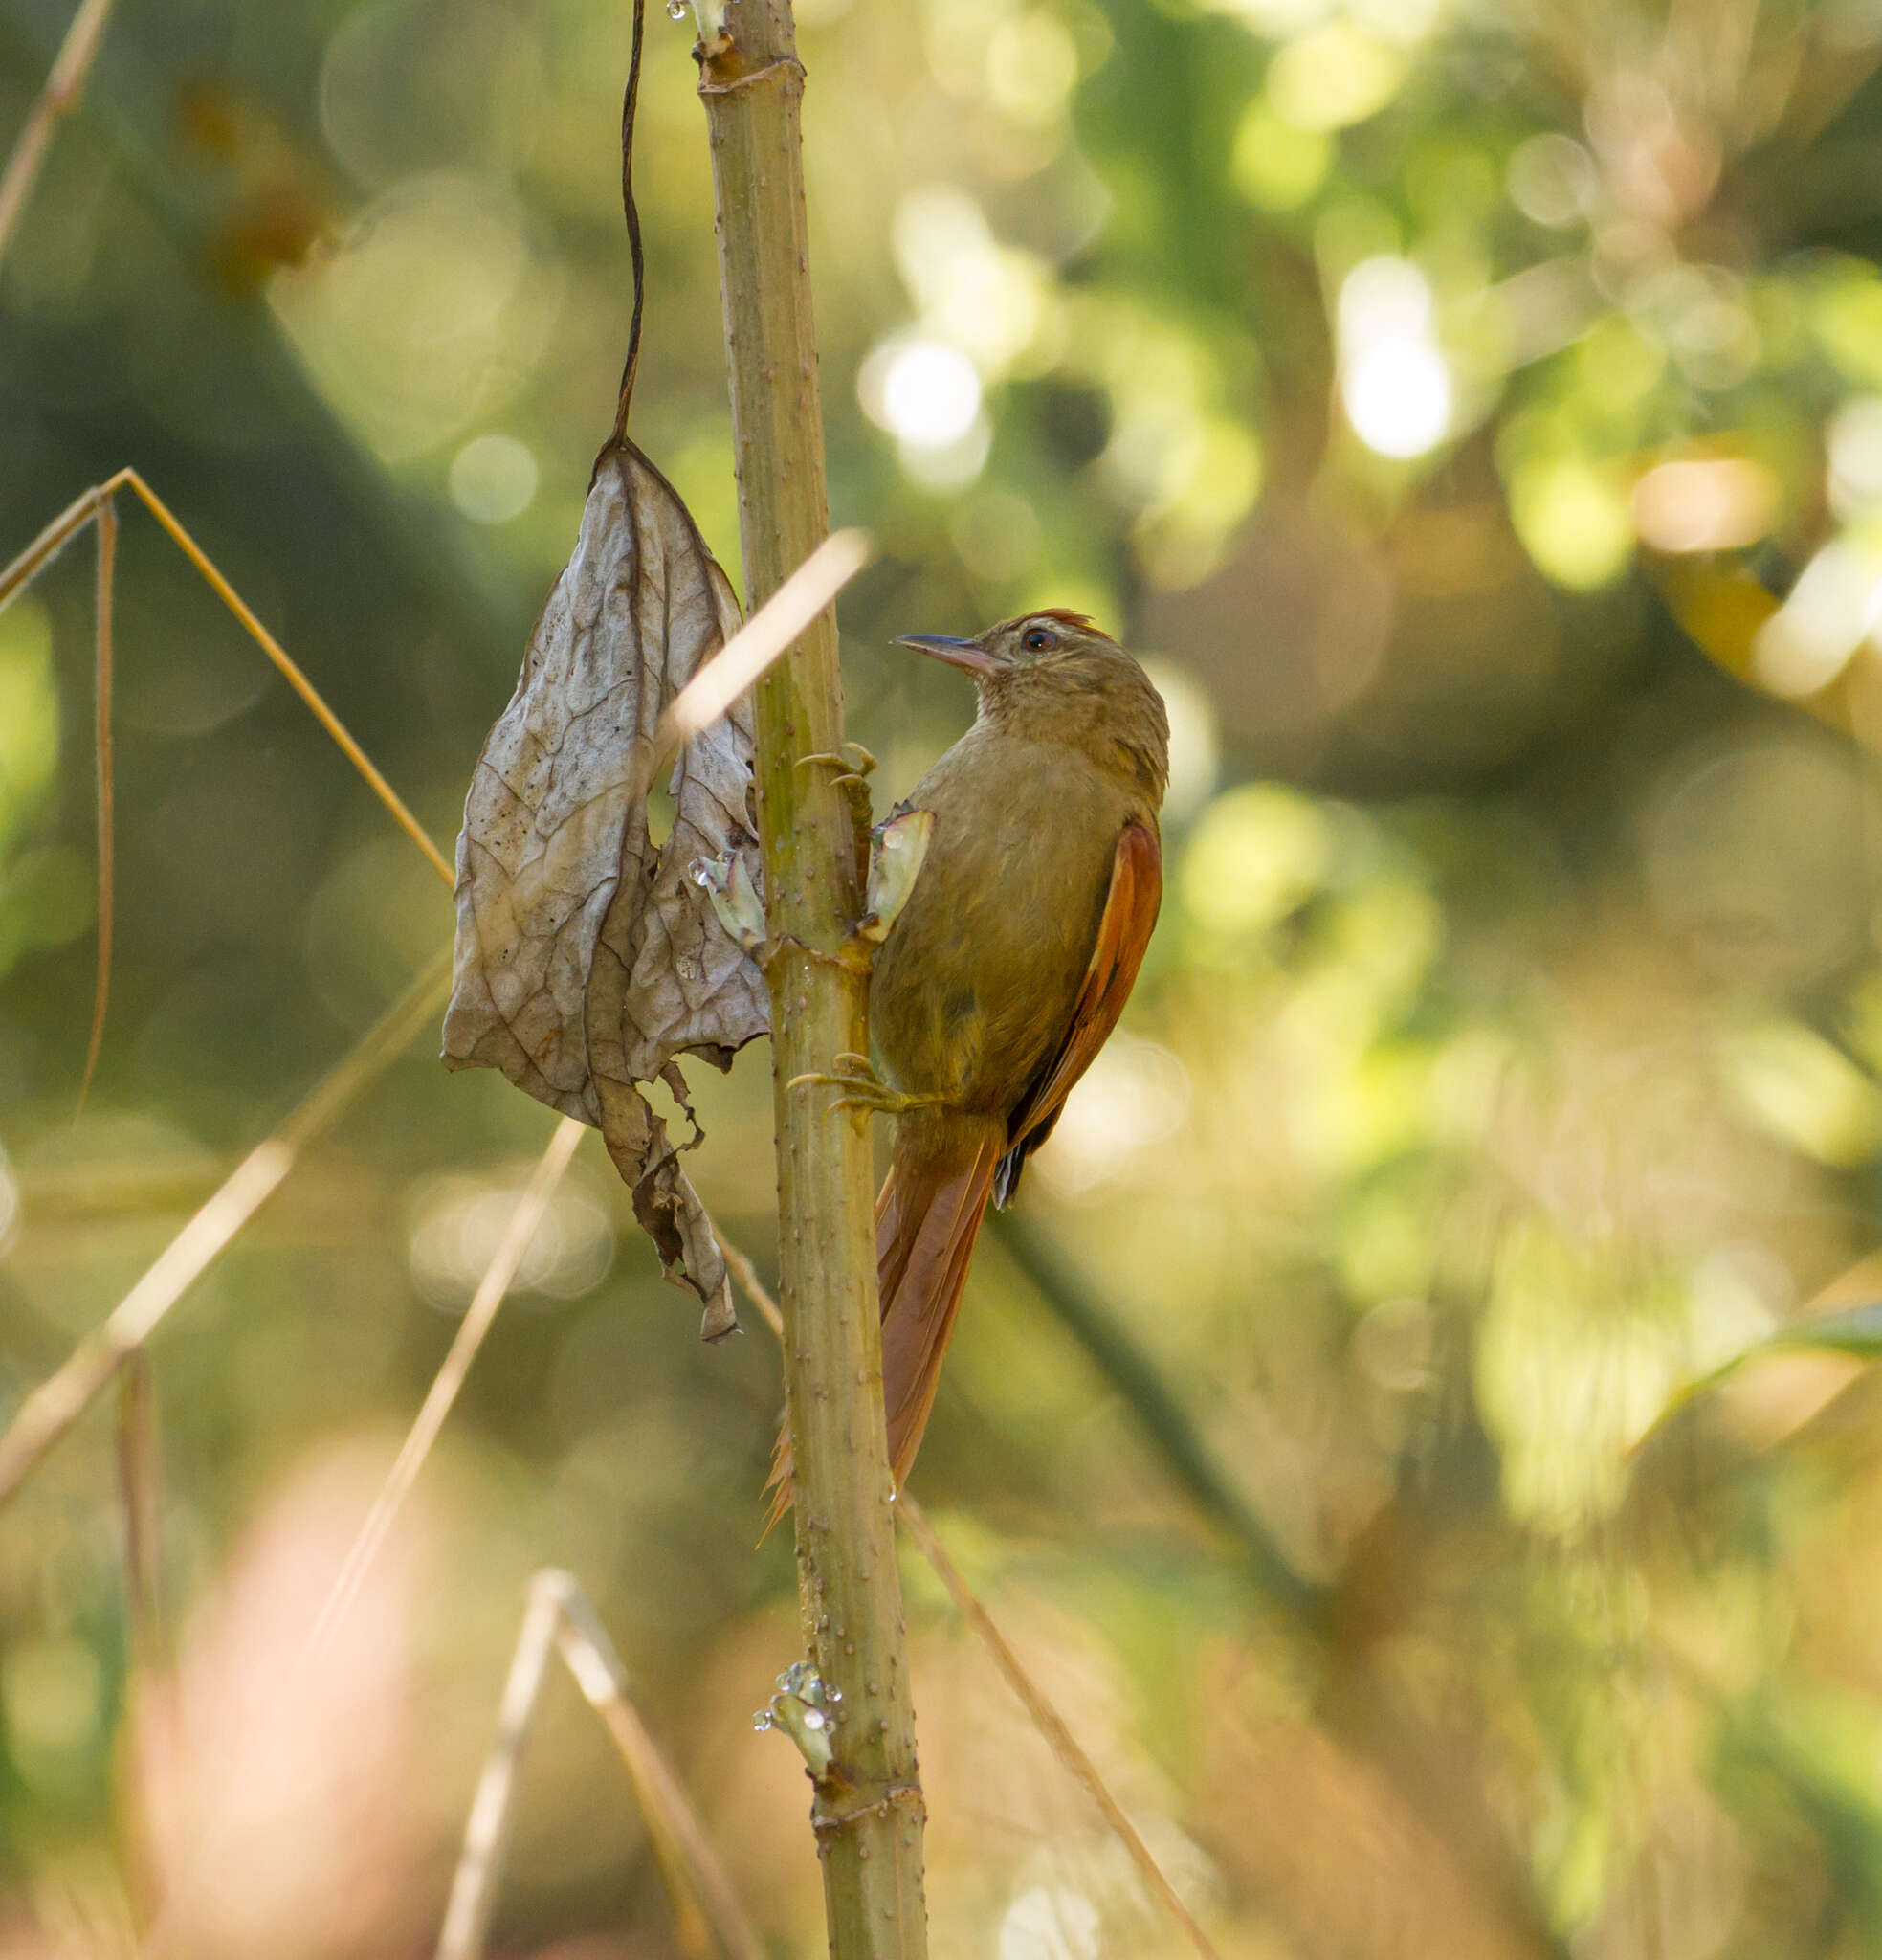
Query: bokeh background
x,y
1475,413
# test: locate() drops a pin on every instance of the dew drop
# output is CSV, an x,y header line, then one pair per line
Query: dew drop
x,y
675,10
762,1721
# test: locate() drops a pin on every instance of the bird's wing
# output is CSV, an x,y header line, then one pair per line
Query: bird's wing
x,y
1130,911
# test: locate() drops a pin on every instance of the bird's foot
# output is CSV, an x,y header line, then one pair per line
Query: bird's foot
x,y
860,1090
853,955
852,759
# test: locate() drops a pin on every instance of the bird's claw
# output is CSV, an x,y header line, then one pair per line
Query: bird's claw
x,y
860,1090
852,759
850,767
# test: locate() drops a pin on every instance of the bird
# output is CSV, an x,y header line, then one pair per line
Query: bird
x,y
1008,966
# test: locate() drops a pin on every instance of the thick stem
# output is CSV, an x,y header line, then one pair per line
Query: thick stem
x,y
867,1812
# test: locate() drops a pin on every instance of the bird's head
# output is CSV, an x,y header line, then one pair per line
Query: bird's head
x,y
1042,643
1054,676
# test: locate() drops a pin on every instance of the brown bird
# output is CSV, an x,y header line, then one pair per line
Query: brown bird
x,y
1009,964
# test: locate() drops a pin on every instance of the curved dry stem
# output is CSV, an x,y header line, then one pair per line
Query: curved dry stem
x,y
138,1500
57,99
107,559
49,544
629,105
487,1830
699,1887
696,1880
740,663
70,521
497,1278
1050,1723
96,506
51,1409
128,479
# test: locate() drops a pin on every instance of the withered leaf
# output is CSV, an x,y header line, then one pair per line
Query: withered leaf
x,y
589,958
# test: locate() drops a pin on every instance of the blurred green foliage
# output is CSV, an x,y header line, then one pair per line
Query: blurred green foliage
x,y
1476,417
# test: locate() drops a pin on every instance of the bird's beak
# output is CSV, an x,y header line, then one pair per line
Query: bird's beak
x,y
969,654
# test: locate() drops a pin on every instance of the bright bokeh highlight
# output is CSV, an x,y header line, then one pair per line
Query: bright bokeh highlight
x,y
922,391
494,478
1394,384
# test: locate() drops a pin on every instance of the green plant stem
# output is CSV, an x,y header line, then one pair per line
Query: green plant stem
x,y
866,1811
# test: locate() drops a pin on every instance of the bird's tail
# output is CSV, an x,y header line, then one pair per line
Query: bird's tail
x,y
927,1218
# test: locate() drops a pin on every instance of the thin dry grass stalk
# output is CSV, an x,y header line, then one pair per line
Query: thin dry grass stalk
x,y
138,1489
107,559
1064,1744
51,1409
492,1289
57,99
487,1830
70,521
699,1889
497,1278
1047,1720
140,1504
743,662
57,1403
685,1851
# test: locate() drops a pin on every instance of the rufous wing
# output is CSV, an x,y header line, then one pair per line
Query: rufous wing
x,y
1124,932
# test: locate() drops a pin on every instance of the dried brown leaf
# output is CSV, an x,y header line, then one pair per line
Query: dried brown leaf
x,y
588,957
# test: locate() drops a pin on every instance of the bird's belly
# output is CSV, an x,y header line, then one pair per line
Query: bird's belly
x,y
974,988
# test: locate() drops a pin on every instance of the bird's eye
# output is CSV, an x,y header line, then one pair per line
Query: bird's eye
x,y
1037,639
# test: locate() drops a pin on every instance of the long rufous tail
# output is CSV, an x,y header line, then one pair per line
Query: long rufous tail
x,y
927,1218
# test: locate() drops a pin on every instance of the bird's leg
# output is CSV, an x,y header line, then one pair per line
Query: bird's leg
x,y
861,1091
